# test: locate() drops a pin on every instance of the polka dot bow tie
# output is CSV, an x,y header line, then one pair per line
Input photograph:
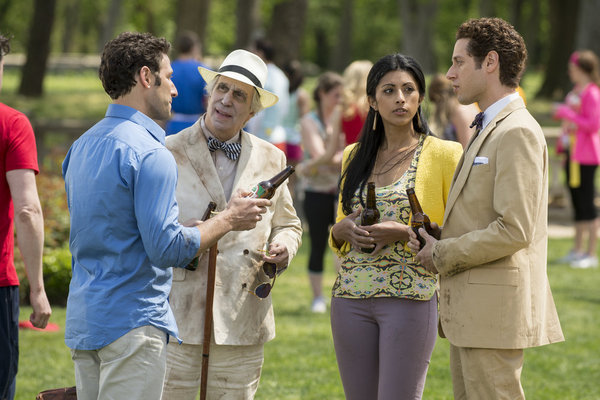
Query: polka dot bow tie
x,y
231,150
477,122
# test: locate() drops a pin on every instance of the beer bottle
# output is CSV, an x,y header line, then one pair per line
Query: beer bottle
x,y
211,207
419,218
266,189
370,214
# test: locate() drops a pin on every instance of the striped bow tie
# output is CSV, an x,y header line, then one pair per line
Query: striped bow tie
x,y
478,122
231,150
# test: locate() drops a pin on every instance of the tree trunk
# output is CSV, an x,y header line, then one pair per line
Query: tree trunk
x,y
71,22
150,21
486,8
516,14
247,14
322,47
38,48
287,29
588,31
342,52
4,7
563,25
192,15
109,23
418,21
531,34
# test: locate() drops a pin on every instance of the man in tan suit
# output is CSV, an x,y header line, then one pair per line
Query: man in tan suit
x,y
215,158
495,299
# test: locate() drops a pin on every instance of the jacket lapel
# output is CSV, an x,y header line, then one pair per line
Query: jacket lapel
x,y
243,174
466,162
201,160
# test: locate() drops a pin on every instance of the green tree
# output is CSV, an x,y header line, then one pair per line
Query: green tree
x,y
418,23
193,15
563,27
286,29
38,48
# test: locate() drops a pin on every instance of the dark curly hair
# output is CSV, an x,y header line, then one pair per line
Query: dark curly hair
x,y
4,46
124,56
363,155
495,34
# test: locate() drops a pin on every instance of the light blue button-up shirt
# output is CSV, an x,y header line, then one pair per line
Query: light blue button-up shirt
x,y
120,182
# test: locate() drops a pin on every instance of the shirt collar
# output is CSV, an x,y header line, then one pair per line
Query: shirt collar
x,y
208,133
493,110
130,113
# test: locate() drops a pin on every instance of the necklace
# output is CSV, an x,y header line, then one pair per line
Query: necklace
x,y
395,161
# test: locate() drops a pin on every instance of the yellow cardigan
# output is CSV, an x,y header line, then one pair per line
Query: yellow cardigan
x,y
435,170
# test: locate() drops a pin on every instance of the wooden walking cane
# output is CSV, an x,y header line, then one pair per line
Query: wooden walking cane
x,y
208,310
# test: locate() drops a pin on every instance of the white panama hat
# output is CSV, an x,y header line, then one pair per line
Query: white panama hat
x,y
247,68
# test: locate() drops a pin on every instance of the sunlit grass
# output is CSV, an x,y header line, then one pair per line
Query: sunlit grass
x,y
300,363
66,96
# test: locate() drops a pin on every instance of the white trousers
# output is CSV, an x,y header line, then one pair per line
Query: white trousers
x,y
132,367
233,371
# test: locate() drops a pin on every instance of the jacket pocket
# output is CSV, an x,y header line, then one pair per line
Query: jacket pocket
x,y
494,276
178,274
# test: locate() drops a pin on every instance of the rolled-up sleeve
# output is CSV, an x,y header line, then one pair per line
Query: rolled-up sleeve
x,y
166,241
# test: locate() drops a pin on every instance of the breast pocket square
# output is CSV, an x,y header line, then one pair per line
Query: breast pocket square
x,y
480,161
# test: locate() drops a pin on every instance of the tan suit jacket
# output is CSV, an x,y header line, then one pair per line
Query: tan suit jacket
x,y
240,318
494,290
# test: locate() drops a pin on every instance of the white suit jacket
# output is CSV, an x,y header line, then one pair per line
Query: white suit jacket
x,y
239,317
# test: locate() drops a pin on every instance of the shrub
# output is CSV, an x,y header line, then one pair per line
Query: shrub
x,y
51,189
57,276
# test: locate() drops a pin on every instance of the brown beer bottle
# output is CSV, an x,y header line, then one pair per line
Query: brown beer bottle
x,y
419,218
370,214
266,189
211,207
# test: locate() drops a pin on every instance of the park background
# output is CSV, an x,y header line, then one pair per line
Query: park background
x,y
51,75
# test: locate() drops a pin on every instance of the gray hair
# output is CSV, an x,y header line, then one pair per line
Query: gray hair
x,y
255,106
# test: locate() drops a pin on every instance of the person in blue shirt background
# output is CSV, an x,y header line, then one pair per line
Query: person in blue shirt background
x,y
190,102
125,236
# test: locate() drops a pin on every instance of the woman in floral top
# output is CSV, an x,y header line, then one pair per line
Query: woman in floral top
x,y
384,306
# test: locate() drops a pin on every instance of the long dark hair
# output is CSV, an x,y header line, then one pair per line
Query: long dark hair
x,y
362,158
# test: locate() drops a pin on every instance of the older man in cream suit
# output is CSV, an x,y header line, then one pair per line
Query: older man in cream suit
x,y
495,299
215,158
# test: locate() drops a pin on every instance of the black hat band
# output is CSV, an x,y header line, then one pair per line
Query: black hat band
x,y
242,71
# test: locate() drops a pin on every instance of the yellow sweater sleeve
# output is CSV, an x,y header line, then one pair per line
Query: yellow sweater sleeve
x,y
435,171
345,247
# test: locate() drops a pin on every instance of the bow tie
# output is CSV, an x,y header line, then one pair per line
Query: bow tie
x,y
231,150
478,122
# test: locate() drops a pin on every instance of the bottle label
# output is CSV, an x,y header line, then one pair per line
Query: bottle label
x,y
257,191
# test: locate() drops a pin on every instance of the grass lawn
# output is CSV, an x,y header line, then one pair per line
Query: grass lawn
x,y
300,362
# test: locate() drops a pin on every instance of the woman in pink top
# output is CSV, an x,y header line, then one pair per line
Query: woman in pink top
x,y
581,116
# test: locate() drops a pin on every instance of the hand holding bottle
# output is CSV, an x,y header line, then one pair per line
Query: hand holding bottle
x,y
243,212
424,254
418,219
346,230
370,214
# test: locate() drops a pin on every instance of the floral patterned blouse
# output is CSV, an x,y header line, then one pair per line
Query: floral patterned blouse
x,y
393,271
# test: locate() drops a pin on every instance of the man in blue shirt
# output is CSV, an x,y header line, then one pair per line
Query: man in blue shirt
x,y
190,102
125,236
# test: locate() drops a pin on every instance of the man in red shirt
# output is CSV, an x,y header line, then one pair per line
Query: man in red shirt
x,y
19,203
